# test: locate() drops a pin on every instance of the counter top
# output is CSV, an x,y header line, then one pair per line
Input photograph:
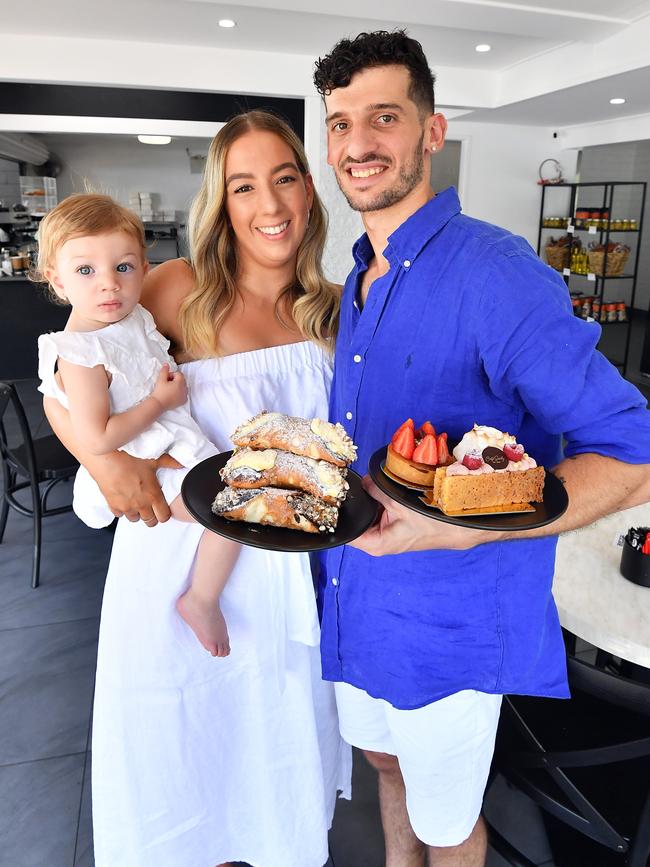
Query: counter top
x,y
593,599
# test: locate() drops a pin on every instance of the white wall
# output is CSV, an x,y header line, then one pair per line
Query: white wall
x,y
118,165
499,179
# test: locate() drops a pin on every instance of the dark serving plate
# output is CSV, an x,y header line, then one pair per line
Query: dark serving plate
x,y
202,483
554,504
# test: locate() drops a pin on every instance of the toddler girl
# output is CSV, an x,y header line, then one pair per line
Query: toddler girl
x,y
121,387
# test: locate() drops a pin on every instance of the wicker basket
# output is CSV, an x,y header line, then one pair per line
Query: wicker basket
x,y
615,262
557,256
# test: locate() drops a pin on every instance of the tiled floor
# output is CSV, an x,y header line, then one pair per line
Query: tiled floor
x,y
48,641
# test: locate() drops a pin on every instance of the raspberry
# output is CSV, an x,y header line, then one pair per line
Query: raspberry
x,y
513,452
473,461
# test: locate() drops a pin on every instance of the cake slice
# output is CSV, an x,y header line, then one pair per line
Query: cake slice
x,y
491,469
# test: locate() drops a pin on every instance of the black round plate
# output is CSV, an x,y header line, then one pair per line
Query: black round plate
x,y
203,482
553,506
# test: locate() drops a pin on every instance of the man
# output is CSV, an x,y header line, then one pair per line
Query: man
x,y
453,320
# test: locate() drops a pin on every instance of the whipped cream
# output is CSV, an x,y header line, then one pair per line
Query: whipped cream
x,y
478,438
481,436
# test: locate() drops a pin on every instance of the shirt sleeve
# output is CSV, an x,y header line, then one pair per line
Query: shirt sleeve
x,y
537,354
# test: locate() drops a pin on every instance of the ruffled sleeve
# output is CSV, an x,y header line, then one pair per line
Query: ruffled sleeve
x,y
150,328
84,348
47,357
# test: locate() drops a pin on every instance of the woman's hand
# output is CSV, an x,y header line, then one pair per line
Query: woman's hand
x,y
131,488
400,529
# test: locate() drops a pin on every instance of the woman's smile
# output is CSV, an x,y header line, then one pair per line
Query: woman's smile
x,y
274,232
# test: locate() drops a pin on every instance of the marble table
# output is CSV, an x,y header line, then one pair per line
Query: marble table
x,y
593,599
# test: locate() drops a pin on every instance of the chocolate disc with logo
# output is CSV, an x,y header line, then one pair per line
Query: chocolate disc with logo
x,y
495,458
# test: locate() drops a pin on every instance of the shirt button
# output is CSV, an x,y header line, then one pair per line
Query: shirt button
x,y
407,263
348,415
335,582
357,358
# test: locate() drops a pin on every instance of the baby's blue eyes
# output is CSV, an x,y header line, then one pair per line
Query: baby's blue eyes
x,y
122,268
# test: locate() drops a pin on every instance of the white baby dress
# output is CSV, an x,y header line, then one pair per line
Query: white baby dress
x,y
133,352
195,760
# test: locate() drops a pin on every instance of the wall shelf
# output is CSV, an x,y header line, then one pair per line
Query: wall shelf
x,y
609,193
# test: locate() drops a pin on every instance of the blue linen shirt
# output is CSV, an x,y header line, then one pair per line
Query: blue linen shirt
x,y
467,326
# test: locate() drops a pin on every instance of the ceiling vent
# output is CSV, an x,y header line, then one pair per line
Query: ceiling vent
x,y
22,147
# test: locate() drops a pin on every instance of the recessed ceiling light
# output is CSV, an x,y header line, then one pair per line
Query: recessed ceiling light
x,y
618,100
227,22
483,47
155,139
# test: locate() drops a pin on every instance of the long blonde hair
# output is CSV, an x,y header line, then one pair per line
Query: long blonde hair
x,y
313,300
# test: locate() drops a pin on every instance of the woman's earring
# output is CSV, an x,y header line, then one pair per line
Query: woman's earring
x,y
433,147
308,215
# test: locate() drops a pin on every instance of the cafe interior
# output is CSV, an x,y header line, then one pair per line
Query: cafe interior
x,y
549,137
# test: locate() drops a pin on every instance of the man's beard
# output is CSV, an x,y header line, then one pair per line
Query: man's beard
x,y
409,177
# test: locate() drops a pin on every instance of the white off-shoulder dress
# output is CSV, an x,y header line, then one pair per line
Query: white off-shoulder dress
x,y
197,760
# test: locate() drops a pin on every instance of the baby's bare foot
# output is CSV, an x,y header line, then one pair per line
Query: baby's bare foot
x,y
206,621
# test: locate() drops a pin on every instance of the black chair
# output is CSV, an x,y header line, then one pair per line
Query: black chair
x,y
585,762
27,465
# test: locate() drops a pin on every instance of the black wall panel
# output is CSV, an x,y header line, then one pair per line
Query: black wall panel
x,y
59,99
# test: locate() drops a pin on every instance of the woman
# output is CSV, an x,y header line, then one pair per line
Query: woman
x,y
198,761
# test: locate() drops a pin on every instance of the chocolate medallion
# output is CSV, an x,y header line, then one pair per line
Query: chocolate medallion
x,y
495,458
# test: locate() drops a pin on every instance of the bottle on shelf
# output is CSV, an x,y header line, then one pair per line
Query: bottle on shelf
x,y
5,263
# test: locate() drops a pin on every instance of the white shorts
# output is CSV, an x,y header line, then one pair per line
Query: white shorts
x,y
444,751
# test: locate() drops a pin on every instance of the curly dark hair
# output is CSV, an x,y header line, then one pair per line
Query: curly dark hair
x,y
380,48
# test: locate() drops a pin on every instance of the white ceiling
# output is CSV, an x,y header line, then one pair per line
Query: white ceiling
x,y
554,64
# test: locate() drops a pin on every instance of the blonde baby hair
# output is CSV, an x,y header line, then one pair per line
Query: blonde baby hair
x,y
75,217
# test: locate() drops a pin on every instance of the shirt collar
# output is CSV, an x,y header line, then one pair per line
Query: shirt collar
x,y
407,240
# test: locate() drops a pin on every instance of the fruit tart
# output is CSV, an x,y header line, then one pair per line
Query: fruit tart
x,y
414,454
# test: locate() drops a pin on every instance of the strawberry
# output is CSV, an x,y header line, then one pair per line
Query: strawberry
x,y
427,451
407,424
443,450
473,461
403,442
513,452
427,428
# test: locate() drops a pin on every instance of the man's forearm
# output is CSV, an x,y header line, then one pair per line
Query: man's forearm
x,y
597,486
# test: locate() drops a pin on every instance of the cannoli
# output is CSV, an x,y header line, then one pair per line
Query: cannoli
x,y
278,507
313,438
249,468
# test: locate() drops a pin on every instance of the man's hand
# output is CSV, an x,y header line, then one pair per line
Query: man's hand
x,y
400,529
131,488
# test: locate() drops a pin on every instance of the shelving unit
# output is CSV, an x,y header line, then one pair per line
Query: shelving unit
x,y
605,196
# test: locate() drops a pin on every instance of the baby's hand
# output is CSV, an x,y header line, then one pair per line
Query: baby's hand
x,y
170,390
